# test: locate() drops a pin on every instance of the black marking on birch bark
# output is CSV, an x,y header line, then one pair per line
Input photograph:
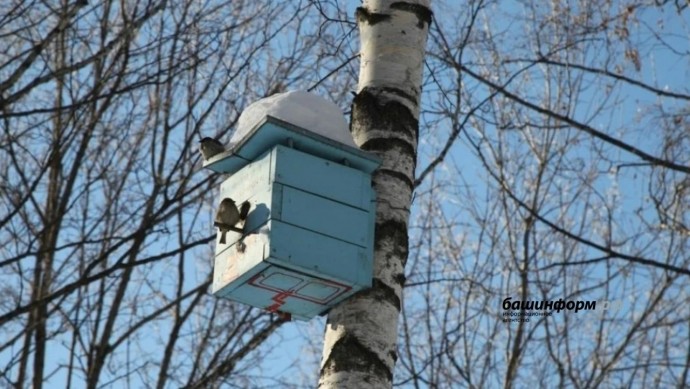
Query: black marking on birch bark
x,y
401,93
397,175
376,91
393,355
383,292
352,355
369,111
395,231
372,18
423,13
380,145
400,279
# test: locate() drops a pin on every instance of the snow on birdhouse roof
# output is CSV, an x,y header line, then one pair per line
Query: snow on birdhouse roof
x,y
302,109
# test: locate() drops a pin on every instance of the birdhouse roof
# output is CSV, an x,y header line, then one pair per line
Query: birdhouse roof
x,y
270,131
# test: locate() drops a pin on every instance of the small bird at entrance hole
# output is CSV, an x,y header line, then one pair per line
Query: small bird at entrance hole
x,y
227,217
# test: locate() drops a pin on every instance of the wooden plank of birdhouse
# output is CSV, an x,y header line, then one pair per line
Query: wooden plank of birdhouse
x,y
322,177
317,254
324,216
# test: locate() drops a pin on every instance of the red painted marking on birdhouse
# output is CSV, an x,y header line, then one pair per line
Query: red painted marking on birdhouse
x,y
279,299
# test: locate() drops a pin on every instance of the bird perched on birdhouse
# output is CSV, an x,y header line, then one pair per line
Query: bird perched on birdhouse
x,y
228,215
210,147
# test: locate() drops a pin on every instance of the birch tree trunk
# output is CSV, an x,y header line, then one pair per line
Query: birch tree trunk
x,y
360,339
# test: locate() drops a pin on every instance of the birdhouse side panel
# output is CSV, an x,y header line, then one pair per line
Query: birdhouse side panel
x,y
322,177
319,255
371,225
236,265
252,183
324,216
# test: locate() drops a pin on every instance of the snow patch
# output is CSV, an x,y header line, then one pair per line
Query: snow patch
x,y
302,109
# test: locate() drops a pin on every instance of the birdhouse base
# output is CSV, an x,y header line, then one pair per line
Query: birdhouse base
x,y
282,290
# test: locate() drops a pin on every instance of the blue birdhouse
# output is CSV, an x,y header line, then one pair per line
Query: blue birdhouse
x,y
304,239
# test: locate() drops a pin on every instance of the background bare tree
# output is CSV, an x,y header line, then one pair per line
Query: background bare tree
x,y
557,169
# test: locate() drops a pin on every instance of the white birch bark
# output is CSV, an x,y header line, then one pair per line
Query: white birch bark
x,y
361,334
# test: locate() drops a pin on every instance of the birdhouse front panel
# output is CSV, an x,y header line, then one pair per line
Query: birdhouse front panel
x,y
307,241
